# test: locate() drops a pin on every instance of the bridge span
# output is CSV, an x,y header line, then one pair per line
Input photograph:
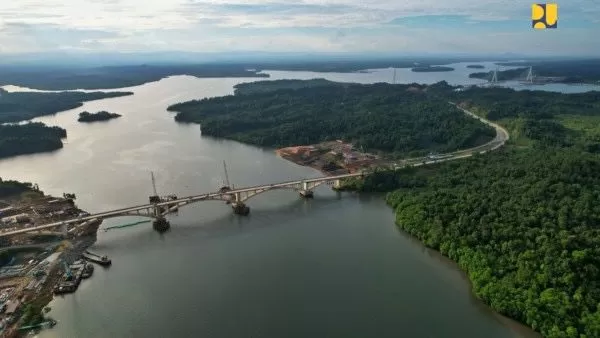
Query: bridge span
x,y
158,208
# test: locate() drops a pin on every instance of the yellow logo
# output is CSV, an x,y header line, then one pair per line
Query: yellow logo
x,y
544,16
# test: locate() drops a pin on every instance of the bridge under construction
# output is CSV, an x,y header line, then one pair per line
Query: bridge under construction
x,y
161,206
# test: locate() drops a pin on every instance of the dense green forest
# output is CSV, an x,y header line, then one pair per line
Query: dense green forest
x,y
431,69
523,222
51,78
99,116
393,118
20,106
29,138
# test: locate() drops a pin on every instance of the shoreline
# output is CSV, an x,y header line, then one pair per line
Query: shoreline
x,y
67,250
519,329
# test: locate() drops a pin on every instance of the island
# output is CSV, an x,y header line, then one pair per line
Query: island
x,y
519,221
476,66
99,116
33,265
379,119
431,69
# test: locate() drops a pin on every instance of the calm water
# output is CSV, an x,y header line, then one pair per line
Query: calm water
x,y
335,266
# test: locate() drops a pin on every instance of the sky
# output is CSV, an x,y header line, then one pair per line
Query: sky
x,y
411,26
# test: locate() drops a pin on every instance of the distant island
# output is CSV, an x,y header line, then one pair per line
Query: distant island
x,y
432,69
476,66
99,116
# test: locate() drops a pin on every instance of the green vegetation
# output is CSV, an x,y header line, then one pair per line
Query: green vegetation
x,y
11,188
99,116
20,106
29,138
270,86
523,221
476,66
392,118
52,78
431,69
37,137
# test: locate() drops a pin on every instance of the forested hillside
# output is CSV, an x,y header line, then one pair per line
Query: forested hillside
x,y
10,188
523,222
399,119
29,138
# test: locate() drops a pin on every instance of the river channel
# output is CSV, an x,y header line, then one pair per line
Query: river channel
x,y
334,266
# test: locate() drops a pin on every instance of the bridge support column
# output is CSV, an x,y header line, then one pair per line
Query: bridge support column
x,y
239,208
305,191
337,184
161,224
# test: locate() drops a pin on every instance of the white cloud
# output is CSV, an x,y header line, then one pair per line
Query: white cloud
x,y
261,24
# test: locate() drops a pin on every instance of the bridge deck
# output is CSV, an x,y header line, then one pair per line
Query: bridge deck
x,y
187,199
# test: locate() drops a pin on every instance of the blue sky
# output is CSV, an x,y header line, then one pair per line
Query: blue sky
x,y
446,26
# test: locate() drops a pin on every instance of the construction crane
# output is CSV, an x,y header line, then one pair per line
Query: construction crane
x,y
154,198
226,186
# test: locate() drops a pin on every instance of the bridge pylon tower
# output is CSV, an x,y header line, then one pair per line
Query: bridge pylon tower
x,y
160,223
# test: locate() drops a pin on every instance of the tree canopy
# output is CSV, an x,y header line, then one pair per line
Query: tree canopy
x,y
400,119
29,138
524,221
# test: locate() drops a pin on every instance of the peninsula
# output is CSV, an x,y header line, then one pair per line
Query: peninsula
x,y
99,116
395,120
432,69
29,138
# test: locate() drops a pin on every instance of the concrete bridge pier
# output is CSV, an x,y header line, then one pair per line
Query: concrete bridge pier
x,y
239,208
161,224
306,192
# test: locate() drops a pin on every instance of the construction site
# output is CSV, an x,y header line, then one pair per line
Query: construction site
x,y
331,158
33,265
